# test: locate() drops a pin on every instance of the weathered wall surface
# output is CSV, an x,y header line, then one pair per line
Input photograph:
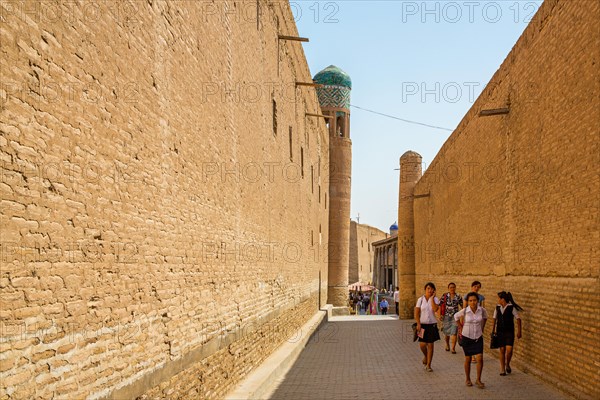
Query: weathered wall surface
x,y
514,198
160,198
361,252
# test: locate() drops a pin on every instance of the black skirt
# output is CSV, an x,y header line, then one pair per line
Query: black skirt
x,y
506,339
472,347
432,334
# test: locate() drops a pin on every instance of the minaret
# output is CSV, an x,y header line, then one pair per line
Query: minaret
x,y
410,173
334,97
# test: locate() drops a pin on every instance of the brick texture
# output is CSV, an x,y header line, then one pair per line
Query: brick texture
x,y
154,199
361,252
514,198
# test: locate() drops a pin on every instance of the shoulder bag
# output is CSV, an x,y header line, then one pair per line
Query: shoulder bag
x,y
443,306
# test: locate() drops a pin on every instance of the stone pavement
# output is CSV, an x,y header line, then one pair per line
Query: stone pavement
x,y
374,357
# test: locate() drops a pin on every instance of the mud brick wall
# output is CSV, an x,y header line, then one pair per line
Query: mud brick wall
x,y
205,379
159,192
513,198
361,252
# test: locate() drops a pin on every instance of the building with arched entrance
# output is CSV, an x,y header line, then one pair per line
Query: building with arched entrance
x,y
362,237
385,260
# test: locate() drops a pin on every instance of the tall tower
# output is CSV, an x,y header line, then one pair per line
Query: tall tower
x,y
410,173
334,97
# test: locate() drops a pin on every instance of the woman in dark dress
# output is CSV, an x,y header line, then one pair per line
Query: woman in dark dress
x,y
504,326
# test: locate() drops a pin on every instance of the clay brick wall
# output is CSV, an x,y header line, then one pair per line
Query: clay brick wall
x,y
235,357
514,198
361,251
155,213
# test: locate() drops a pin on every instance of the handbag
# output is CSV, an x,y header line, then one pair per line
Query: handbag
x,y
443,306
415,335
494,341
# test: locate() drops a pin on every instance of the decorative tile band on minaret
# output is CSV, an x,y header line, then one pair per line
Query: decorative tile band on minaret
x,y
334,98
410,173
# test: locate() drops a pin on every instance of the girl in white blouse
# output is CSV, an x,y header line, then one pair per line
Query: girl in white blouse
x,y
471,321
425,309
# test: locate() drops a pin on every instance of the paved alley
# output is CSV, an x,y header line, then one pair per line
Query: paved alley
x,y
374,357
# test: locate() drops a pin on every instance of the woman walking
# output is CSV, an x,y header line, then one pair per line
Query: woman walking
x,y
365,302
475,287
451,303
471,321
427,306
373,302
504,326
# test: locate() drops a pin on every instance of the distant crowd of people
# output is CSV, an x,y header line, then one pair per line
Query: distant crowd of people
x,y
463,322
373,302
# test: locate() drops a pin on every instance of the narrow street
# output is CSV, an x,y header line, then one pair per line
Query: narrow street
x,y
374,357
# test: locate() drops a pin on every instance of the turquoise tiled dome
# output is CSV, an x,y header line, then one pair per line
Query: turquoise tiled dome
x,y
333,76
335,91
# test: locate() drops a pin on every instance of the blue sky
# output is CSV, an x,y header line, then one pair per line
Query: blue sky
x,y
425,61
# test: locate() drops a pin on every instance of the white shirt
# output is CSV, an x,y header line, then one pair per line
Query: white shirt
x,y
427,314
502,309
473,321
397,296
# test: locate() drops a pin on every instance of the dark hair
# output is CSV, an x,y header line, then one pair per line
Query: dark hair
x,y
430,284
397,288
451,283
472,294
509,299
475,283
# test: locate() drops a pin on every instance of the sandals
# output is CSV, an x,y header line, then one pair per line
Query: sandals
x,y
508,370
425,361
469,383
480,385
502,373
428,369
453,351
